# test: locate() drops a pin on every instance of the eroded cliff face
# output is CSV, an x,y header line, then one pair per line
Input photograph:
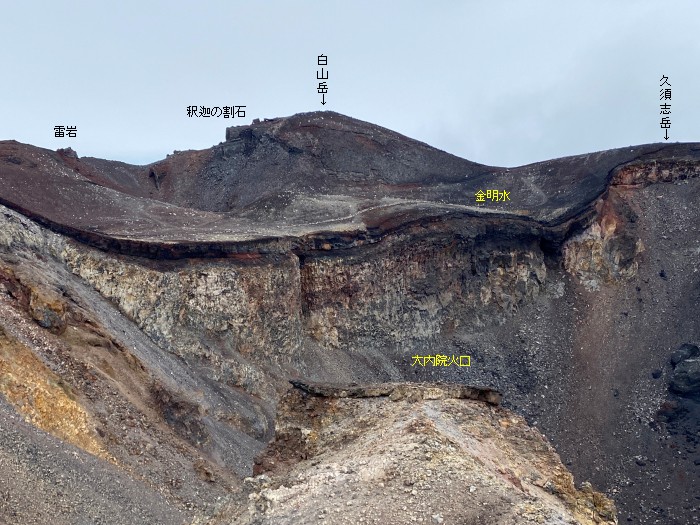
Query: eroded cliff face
x,y
248,320
408,291
608,250
243,319
645,172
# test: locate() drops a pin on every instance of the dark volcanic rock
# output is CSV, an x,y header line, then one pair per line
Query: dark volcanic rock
x,y
685,351
68,153
686,377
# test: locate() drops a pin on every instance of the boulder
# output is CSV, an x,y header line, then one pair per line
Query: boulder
x,y
685,351
686,377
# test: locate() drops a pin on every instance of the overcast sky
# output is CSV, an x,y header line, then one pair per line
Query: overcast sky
x,y
498,82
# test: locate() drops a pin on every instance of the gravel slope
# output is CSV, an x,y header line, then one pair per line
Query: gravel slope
x,y
45,481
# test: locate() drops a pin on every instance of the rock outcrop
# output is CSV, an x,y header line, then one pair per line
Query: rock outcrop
x,y
405,453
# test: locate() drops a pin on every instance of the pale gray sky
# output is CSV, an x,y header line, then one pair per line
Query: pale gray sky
x,y
500,82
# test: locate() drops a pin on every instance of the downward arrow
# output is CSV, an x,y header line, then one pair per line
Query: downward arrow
x,y
323,99
666,137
